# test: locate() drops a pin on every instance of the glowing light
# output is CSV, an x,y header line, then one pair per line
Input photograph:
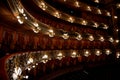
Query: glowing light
x,y
117,55
98,53
101,38
79,37
117,30
59,56
84,22
15,76
88,8
99,11
118,5
70,19
30,61
115,17
51,33
86,53
26,77
96,1
45,57
73,54
28,69
33,66
36,63
43,6
17,73
65,36
18,17
108,52
105,26
91,38
117,41
26,17
111,39
95,25
36,30
21,10
20,20
57,14
108,14
77,4
35,24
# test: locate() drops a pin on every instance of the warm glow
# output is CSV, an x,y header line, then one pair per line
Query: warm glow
x,y
79,37
117,55
95,25
51,33
70,19
115,17
117,41
73,54
43,6
35,24
84,22
105,26
21,10
59,56
118,5
96,1
77,4
108,14
99,11
57,14
15,76
45,56
36,30
111,39
101,38
65,36
30,61
91,38
18,71
98,53
86,53
18,17
88,8
28,69
36,63
33,66
107,52
117,30
26,77
20,20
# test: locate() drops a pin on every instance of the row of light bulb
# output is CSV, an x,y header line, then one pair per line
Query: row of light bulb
x,y
96,1
31,63
50,32
44,6
88,8
79,36
59,54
